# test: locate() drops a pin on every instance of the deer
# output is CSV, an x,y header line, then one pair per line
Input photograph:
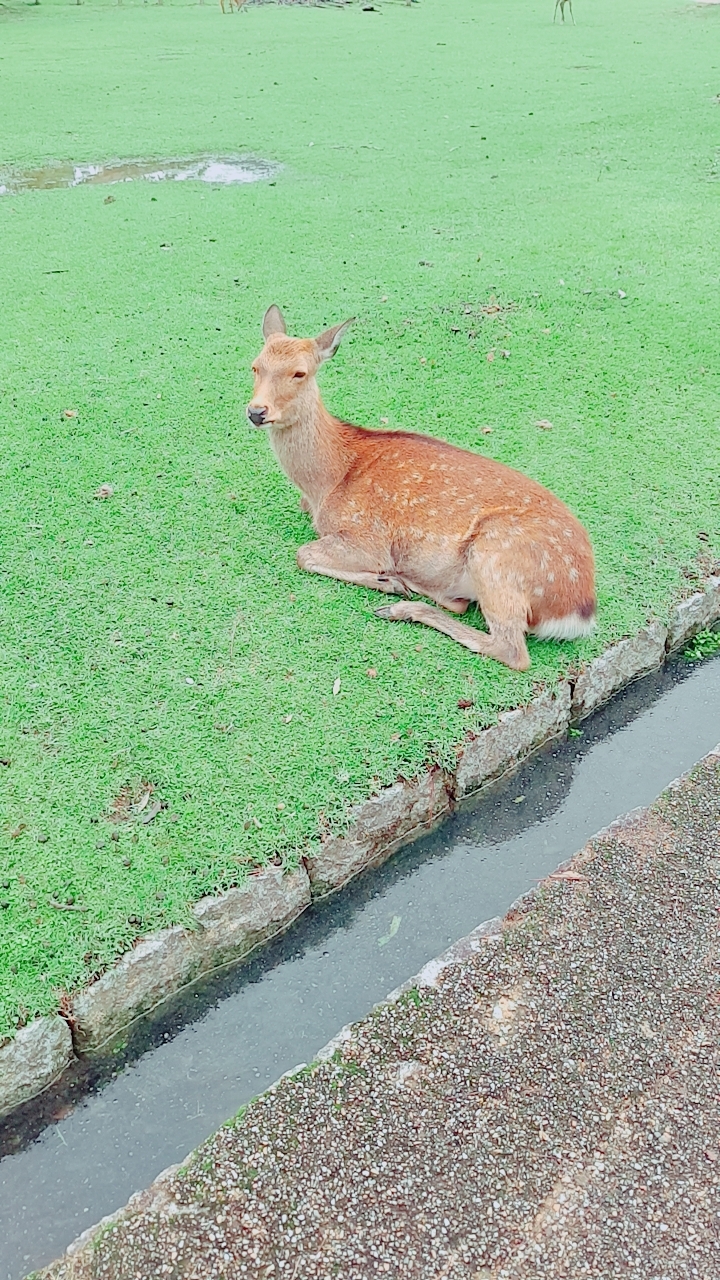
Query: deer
x,y
412,515
560,4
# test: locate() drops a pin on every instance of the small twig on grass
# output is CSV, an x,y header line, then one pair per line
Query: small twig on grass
x,y
66,906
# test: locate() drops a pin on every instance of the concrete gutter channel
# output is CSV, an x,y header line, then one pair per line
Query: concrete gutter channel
x,y
234,925
540,1101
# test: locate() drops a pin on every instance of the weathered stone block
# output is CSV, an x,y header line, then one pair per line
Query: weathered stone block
x,y
39,1053
229,927
618,666
516,734
692,615
381,825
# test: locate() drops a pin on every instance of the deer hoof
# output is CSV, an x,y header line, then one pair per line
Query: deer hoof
x,y
394,585
399,612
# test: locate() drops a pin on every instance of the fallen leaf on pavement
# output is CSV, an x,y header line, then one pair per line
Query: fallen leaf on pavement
x,y
394,926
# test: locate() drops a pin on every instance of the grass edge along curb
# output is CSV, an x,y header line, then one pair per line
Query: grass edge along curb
x,y
236,923
156,1197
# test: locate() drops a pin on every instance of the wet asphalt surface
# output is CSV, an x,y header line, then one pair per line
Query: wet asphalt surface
x,y
79,1154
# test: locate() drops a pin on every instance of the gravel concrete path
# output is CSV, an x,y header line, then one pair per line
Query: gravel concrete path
x,y
544,1102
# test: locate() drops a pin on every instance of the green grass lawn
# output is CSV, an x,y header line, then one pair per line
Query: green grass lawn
x,y
436,157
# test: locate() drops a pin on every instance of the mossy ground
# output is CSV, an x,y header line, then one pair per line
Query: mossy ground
x,y
436,157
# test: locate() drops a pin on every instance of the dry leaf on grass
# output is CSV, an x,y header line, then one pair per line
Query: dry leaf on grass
x,y
105,491
70,413
152,812
465,703
486,431
544,425
336,688
143,801
130,803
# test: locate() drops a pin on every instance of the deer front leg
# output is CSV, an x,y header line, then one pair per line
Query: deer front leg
x,y
332,557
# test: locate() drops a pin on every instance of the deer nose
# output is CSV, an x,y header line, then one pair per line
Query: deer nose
x,y
256,415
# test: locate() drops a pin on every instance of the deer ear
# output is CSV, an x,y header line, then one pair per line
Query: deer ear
x,y
329,341
273,321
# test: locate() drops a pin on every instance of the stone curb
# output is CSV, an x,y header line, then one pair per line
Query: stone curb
x,y
233,924
380,826
617,667
516,735
229,927
694,614
36,1057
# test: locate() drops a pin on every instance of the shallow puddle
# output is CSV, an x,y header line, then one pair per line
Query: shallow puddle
x,y
220,170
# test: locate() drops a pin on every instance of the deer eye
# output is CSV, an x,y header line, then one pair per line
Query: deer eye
x,y
299,374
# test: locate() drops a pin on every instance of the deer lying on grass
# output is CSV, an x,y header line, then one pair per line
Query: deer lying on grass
x,y
401,513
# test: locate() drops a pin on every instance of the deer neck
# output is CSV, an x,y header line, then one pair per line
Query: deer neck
x,y
312,450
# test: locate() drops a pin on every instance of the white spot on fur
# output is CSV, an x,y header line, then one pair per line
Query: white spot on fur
x,y
571,627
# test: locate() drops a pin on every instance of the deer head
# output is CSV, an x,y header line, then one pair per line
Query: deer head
x,y
285,390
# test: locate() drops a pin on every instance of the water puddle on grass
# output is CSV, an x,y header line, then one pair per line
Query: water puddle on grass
x,y
218,170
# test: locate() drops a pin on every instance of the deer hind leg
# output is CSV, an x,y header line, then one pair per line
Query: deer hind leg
x,y
333,557
503,602
505,641
557,6
572,15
